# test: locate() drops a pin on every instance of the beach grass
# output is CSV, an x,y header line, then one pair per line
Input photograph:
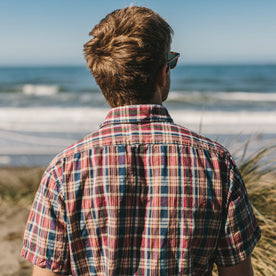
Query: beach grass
x,y
259,174
18,187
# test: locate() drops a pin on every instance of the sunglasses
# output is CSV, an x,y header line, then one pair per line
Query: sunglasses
x,y
172,61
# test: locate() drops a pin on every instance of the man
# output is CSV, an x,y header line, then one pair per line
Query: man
x,y
142,195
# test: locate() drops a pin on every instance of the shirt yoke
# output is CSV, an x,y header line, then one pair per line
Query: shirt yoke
x,y
142,134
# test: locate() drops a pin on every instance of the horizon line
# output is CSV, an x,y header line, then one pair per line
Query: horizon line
x,y
265,63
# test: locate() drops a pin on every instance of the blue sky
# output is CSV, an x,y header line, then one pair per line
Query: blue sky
x,y
35,32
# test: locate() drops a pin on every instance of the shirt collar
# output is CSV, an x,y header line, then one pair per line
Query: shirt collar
x,y
144,113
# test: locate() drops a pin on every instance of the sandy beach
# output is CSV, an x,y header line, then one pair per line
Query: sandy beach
x,y
17,186
12,220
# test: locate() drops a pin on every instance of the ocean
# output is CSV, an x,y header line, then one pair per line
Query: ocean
x,y
45,109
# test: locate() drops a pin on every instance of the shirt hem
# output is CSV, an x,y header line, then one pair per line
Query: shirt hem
x,y
42,263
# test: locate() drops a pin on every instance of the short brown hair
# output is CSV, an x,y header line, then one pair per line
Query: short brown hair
x,y
128,49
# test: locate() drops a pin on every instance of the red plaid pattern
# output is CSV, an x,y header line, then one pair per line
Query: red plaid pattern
x,y
141,196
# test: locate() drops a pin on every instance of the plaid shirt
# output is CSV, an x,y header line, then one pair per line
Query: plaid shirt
x,y
141,196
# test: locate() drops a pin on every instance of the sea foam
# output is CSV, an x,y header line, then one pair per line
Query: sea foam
x,y
40,130
213,96
44,119
40,90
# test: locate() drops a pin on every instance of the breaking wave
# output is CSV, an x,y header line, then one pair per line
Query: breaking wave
x,y
40,90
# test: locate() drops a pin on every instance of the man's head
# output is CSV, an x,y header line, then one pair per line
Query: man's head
x,y
128,51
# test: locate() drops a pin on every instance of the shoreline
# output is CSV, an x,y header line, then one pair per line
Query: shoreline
x,y
29,155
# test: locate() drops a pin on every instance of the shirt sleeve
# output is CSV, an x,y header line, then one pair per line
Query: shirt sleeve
x,y
240,232
45,241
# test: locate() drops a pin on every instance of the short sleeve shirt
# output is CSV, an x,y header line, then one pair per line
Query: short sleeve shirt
x,y
140,196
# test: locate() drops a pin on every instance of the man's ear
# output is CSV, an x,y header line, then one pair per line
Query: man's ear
x,y
162,77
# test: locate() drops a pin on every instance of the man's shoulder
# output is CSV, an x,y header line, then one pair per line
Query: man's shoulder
x,y
78,147
196,140
170,134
